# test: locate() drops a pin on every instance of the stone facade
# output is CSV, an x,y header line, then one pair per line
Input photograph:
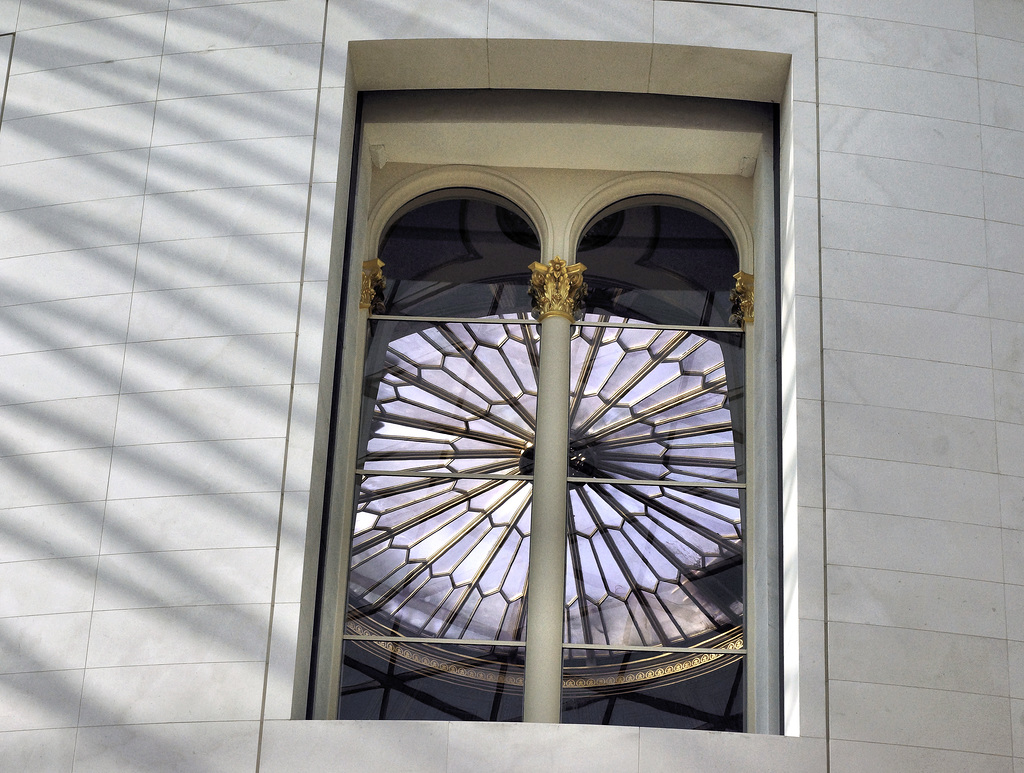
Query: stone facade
x,y
173,175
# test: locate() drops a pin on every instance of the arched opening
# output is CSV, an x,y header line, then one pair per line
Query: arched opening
x,y
438,599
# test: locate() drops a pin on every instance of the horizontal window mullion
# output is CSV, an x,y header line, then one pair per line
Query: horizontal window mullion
x,y
457,320
454,475
565,646
578,323
657,648
655,326
438,640
655,482
594,481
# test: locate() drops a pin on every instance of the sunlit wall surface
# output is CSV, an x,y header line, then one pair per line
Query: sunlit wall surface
x,y
169,173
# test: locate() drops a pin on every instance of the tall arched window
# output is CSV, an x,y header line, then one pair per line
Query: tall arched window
x,y
558,493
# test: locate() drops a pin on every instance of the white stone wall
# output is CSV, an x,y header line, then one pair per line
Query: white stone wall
x,y
922,204
169,171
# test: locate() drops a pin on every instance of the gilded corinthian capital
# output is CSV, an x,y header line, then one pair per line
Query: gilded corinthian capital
x,y
557,288
742,298
371,294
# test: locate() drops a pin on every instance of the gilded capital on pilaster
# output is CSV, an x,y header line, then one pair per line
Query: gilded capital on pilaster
x,y
742,297
371,296
557,288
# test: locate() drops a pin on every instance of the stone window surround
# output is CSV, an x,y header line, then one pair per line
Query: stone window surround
x,y
386,64
704,151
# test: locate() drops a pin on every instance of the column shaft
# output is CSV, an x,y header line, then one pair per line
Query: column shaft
x,y
546,593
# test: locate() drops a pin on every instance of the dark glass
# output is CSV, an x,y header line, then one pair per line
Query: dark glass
x,y
460,257
688,691
401,680
660,264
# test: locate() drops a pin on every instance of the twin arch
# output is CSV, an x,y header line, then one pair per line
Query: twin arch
x,y
647,526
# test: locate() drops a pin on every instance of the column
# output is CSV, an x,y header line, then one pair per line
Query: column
x,y
557,290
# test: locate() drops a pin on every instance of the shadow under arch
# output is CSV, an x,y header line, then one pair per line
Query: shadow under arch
x,y
671,190
450,181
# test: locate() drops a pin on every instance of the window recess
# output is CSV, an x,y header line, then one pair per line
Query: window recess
x,y
546,502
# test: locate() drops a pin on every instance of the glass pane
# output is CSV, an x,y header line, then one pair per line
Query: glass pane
x,y
458,397
656,405
440,557
660,264
447,558
400,680
653,565
461,257
691,691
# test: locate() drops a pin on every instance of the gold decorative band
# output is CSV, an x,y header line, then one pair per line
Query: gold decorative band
x,y
557,288
443,658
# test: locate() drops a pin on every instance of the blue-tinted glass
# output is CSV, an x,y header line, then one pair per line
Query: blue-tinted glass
x,y
403,680
461,257
660,264
698,692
